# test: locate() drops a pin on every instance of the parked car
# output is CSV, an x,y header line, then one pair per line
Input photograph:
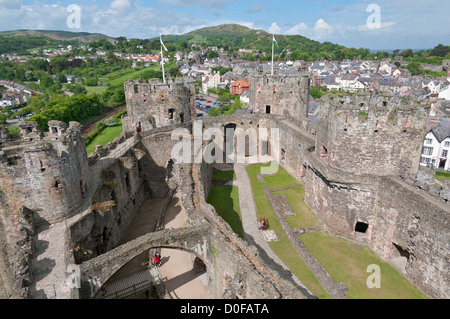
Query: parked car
x,y
208,101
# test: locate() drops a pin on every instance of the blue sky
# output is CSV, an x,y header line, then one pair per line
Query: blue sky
x,y
402,24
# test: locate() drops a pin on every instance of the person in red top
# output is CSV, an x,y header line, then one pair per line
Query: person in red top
x,y
157,259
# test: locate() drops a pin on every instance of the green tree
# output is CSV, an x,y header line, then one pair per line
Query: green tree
x,y
91,82
212,54
2,118
414,68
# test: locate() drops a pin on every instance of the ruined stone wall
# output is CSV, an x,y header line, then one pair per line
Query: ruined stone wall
x,y
114,205
48,176
156,104
286,95
378,135
397,215
418,224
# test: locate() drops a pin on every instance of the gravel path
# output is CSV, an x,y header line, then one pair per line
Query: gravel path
x,y
254,236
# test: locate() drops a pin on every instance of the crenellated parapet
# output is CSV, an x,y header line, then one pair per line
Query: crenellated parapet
x,y
366,134
156,104
47,175
280,94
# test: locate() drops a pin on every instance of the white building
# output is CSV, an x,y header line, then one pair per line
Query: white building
x,y
211,81
436,148
445,93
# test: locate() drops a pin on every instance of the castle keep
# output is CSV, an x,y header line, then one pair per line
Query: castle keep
x,y
359,167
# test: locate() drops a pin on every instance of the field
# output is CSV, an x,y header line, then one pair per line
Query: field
x,y
136,74
345,261
106,136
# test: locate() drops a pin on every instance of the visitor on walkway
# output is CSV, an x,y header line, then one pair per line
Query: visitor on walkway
x,y
157,259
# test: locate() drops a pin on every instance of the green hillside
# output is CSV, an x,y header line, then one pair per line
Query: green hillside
x,y
238,36
58,35
23,41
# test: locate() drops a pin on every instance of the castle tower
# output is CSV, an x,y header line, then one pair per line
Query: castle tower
x,y
280,94
157,104
49,176
378,135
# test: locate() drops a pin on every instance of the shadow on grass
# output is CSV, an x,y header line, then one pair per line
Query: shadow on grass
x,y
225,200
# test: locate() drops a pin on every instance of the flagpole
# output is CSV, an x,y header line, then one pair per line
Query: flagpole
x,y
273,47
162,60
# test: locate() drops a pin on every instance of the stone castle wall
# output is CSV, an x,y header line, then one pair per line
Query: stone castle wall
x,y
373,135
286,95
156,104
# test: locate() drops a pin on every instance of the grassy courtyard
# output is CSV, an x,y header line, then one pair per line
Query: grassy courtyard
x,y
230,175
345,261
225,200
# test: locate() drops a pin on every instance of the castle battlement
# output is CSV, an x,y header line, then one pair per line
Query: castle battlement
x,y
54,166
155,85
379,134
157,104
366,101
280,94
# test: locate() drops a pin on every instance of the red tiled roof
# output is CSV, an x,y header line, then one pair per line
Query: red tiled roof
x,y
242,83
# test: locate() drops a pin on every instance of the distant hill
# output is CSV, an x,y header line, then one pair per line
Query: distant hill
x,y
59,35
238,36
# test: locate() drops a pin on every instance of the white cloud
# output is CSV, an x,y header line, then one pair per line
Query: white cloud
x,y
201,3
274,28
121,5
10,4
322,29
300,29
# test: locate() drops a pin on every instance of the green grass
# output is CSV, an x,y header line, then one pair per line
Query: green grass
x,y
304,216
347,262
96,89
106,136
225,200
136,74
224,175
283,248
442,176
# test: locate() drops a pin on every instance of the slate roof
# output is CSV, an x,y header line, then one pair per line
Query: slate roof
x,y
442,131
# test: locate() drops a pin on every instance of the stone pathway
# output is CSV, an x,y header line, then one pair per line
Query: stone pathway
x,y
254,236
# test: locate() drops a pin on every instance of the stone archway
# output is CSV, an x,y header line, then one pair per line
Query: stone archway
x,y
95,272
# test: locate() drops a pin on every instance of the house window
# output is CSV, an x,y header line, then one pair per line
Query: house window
x,y
429,141
447,144
427,151
444,153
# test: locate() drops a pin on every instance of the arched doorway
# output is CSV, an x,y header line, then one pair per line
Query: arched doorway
x,y
228,133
